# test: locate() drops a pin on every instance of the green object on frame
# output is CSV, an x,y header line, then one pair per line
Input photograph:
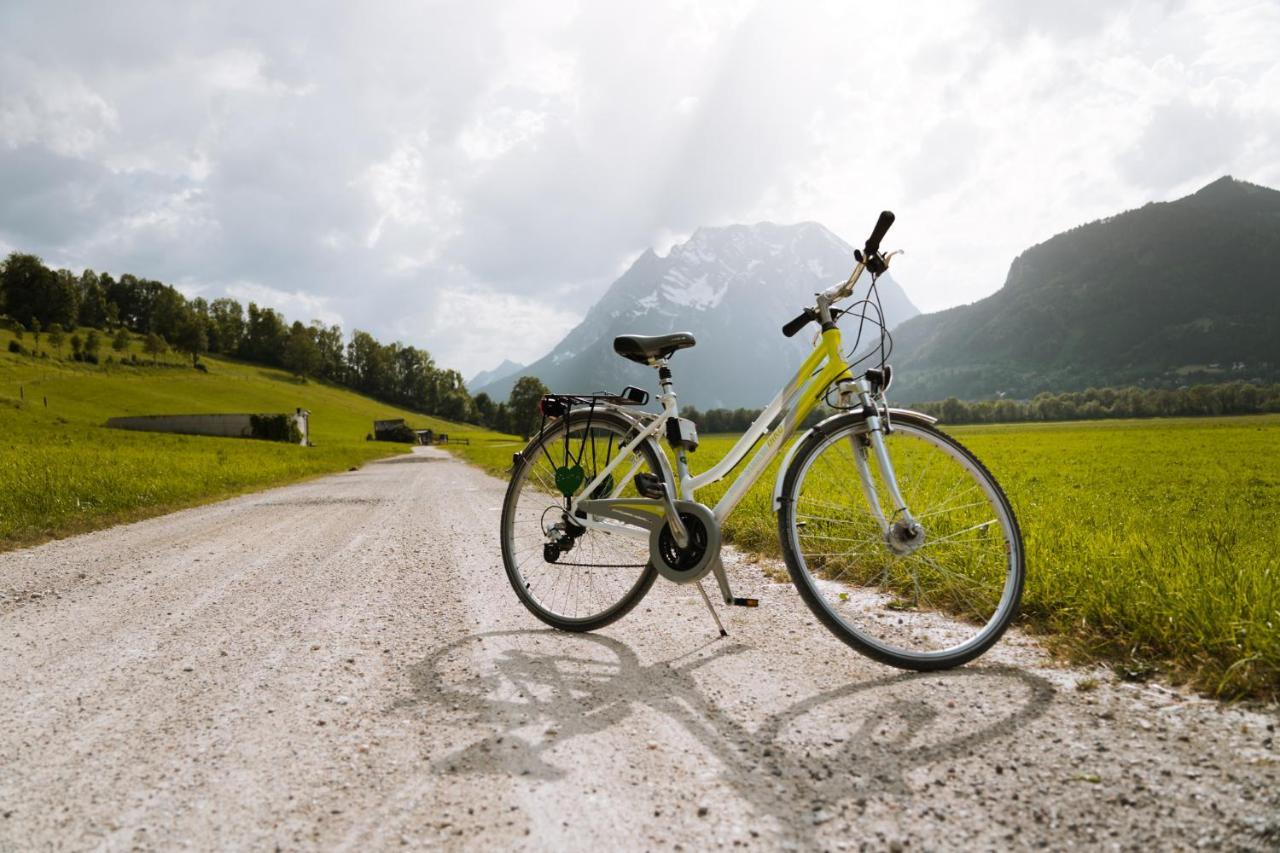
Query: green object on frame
x,y
568,479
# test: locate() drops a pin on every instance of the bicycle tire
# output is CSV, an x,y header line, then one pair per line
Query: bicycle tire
x,y
851,610
540,449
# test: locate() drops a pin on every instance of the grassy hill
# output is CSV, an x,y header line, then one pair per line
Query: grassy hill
x,y
62,471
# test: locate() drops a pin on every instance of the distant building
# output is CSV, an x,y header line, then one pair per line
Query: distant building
x,y
226,425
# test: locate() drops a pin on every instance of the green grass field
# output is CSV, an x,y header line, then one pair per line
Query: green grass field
x,y
1150,543
62,471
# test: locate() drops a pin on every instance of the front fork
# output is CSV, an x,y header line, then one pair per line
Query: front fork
x,y
873,440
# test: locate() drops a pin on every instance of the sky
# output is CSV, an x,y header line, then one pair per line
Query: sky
x,y
469,177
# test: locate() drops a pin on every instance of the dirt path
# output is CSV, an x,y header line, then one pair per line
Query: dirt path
x,y
341,664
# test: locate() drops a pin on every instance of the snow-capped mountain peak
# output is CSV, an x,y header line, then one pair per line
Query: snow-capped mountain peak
x,y
733,286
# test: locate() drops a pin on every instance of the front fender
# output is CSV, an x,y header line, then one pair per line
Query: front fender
x,y
828,424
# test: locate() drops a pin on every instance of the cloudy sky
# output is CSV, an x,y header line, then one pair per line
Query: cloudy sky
x,y
470,176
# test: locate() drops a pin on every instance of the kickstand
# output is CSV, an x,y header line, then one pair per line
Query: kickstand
x,y
714,615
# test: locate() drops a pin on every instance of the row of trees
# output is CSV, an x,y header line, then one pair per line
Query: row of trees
x,y
57,301
84,347
1232,398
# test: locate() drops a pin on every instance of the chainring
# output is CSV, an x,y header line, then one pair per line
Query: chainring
x,y
691,563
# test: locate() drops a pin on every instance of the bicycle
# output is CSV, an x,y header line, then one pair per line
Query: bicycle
x,y
897,538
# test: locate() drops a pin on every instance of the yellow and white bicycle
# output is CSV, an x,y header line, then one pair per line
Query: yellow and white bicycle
x,y
896,536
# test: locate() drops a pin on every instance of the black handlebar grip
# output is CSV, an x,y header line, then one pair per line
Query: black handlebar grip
x,y
799,322
877,233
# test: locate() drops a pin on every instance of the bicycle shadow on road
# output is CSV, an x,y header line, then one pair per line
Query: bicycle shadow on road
x,y
527,693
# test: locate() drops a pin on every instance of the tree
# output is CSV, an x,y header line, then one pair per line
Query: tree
x,y
120,340
169,311
35,334
190,336
64,300
57,337
77,345
27,284
126,295
92,343
500,423
154,346
264,337
226,326
93,301
301,356
368,363
522,405
329,343
483,404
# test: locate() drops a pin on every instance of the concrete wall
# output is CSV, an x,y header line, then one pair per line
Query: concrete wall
x,y
231,425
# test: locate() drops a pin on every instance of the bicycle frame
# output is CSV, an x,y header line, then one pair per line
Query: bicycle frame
x,y
793,404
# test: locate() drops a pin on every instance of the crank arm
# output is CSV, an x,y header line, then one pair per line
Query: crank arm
x,y
678,531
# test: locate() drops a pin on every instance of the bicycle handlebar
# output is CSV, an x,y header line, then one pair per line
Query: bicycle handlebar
x,y
871,253
806,317
877,233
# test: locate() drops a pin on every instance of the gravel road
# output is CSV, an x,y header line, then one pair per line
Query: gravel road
x,y
341,664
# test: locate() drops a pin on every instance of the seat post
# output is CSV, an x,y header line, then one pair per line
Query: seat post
x,y
668,397
664,379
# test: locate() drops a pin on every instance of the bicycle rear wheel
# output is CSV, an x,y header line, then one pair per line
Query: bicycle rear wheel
x,y
572,577
923,603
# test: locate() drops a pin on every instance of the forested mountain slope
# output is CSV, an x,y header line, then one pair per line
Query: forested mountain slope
x,y
1166,294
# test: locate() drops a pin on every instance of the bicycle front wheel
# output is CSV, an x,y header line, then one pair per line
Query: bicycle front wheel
x,y
926,600
571,576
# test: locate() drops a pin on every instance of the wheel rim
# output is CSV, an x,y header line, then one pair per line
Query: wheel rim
x,y
601,570
943,598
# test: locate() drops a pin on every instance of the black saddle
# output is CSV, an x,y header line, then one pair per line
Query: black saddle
x,y
646,348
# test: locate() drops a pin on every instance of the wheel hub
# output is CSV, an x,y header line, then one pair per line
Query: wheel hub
x,y
904,537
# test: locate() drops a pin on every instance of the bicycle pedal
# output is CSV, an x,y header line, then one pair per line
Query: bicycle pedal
x,y
746,602
649,486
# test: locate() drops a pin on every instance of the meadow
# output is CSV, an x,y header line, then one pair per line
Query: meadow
x,y
1152,544
62,471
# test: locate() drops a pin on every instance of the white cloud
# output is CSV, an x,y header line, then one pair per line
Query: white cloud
x,y
57,109
480,328
497,132
294,305
425,171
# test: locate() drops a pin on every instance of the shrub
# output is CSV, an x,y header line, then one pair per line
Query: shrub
x,y
200,367
14,346
275,428
400,433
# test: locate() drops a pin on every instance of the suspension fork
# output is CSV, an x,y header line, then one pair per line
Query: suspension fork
x,y
873,440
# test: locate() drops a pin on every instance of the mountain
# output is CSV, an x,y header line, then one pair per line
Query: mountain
x,y
502,371
1167,294
733,287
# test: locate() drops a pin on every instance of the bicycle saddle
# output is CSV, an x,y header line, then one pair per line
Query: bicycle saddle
x,y
645,348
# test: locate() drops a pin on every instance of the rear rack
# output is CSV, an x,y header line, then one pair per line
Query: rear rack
x,y
558,405
569,474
